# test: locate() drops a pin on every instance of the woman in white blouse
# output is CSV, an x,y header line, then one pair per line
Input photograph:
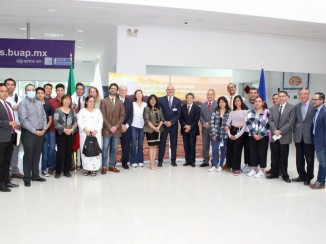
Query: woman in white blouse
x,y
90,122
137,133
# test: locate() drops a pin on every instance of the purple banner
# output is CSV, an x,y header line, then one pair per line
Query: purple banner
x,y
26,53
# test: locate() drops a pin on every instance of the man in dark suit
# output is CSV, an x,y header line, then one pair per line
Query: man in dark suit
x,y
281,121
207,109
319,138
190,115
171,107
7,123
304,113
125,128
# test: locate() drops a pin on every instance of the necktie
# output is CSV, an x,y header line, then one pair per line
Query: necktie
x,y
112,100
11,118
279,116
170,102
303,110
209,106
79,104
188,110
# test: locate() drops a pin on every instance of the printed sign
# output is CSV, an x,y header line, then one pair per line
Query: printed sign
x,y
26,53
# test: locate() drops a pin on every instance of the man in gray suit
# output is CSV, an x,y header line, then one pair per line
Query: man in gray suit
x,y
207,109
304,113
281,121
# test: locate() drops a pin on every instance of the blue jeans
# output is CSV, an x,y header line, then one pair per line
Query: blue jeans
x,y
321,156
137,140
51,147
112,142
45,150
215,151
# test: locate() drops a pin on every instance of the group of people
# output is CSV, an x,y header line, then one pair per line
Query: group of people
x,y
51,129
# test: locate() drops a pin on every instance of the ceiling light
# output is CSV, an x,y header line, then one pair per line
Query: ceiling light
x,y
23,28
53,35
51,10
80,31
79,40
79,47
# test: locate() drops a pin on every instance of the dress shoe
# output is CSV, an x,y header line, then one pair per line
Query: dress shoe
x,y
269,172
272,177
287,180
57,175
174,164
204,165
103,171
299,179
306,182
27,183
67,174
11,185
193,165
160,164
317,186
40,179
17,175
114,169
186,164
3,188
225,166
125,166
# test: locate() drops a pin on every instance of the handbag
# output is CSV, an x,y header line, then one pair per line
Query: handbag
x,y
91,147
233,130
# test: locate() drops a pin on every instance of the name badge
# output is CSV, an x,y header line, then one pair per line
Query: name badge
x,y
174,109
222,143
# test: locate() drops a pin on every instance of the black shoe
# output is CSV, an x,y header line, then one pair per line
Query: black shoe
x,y
67,174
174,164
40,179
159,164
306,182
186,164
272,177
11,185
3,188
57,175
287,180
204,165
193,165
125,166
299,179
27,183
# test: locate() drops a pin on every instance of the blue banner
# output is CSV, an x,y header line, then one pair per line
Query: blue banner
x,y
27,53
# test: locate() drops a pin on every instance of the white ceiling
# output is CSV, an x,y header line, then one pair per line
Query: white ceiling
x,y
99,19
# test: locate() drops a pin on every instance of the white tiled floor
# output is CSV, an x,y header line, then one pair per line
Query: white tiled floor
x,y
169,205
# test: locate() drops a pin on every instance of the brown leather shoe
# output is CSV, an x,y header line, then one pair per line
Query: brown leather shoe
x,y
269,172
17,175
114,169
103,171
317,186
225,166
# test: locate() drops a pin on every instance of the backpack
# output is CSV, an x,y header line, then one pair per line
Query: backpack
x,y
91,147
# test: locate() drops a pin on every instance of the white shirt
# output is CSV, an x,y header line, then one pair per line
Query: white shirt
x,y
12,102
75,98
138,119
283,105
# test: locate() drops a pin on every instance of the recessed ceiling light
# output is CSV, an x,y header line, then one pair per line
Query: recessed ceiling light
x,y
79,40
80,31
79,47
53,35
23,28
51,10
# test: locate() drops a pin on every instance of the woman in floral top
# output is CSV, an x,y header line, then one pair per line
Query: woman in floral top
x,y
219,134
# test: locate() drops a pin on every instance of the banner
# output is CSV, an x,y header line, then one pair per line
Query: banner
x,y
27,53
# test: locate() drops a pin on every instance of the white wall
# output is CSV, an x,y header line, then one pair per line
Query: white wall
x,y
170,47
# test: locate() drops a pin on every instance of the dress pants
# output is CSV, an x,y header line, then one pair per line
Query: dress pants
x,y
234,150
173,132
305,153
14,160
189,145
206,139
6,149
280,157
32,153
64,154
125,146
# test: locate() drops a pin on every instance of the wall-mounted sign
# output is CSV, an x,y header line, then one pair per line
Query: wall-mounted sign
x,y
27,53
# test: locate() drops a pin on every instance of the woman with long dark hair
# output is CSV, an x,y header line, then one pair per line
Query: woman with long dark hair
x,y
235,128
219,134
153,117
